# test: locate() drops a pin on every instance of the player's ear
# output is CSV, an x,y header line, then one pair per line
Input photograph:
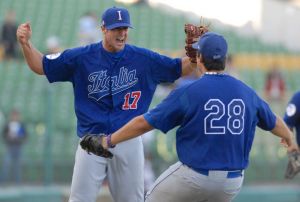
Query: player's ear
x,y
200,58
103,29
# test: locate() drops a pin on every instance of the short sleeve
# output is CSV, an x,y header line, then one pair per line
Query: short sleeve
x,y
266,118
60,66
164,68
169,113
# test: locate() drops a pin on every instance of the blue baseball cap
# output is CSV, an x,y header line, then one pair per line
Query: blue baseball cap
x,y
116,17
212,46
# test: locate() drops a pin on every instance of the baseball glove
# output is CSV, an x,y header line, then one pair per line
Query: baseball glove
x,y
92,143
293,166
192,34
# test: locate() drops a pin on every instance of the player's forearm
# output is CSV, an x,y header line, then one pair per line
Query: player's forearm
x,y
282,130
133,128
187,67
33,57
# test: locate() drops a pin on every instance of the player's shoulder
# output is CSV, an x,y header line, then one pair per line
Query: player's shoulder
x,y
292,108
295,99
227,83
137,50
82,50
296,96
140,51
188,87
91,48
240,84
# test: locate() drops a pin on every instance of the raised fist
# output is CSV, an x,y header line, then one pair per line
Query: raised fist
x,y
24,33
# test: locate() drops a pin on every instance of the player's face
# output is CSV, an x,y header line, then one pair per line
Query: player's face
x,y
115,39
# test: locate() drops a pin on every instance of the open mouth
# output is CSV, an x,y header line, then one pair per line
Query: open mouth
x,y
120,40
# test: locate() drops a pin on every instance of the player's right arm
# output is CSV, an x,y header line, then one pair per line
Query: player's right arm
x,y
165,116
33,57
136,127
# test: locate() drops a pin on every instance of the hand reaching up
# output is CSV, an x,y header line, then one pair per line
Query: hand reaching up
x,y
24,33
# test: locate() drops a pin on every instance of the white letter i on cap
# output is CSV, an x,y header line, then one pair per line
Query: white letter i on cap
x,y
120,17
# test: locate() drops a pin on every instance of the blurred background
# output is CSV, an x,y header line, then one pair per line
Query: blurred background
x,y
264,50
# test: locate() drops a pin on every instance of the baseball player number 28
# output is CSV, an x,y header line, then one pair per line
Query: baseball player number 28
x,y
215,123
134,97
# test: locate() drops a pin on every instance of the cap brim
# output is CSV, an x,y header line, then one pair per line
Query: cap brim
x,y
195,46
118,25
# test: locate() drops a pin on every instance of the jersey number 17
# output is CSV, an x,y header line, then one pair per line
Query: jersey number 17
x,y
131,100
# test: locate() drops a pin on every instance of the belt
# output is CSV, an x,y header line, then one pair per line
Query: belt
x,y
230,174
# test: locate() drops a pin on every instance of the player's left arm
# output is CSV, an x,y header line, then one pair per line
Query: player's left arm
x,y
282,130
187,67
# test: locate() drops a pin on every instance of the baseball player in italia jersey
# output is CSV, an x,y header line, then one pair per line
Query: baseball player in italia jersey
x,y
292,115
217,116
113,82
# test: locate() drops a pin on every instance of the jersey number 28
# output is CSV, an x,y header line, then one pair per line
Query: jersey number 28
x,y
222,117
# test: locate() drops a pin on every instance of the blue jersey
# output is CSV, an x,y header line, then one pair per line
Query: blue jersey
x,y
292,115
110,88
217,116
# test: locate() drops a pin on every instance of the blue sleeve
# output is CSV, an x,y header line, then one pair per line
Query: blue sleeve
x,y
292,113
164,69
169,113
60,66
266,118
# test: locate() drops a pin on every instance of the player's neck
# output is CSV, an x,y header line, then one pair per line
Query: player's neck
x,y
214,72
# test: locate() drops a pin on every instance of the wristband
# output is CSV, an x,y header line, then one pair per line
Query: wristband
x,y
108,142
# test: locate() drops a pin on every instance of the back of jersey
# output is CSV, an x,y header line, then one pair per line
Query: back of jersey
x,y
219,123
